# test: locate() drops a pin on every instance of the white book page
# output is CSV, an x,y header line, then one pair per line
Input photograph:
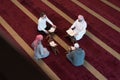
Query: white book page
x,y
52,43
71,32
52,29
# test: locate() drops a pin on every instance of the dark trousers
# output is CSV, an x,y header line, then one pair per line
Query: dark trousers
x,y
42,32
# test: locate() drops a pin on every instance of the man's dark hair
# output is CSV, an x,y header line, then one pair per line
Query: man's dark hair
x,y
42,14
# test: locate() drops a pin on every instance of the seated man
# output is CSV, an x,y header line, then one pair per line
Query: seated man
x,y
78,29
42,24
76,55
39,50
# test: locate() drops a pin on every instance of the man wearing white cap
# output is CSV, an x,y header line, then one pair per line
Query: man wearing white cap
x,y
76,55
79,27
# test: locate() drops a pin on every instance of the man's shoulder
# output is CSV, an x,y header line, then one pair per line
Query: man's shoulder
x,y
79,51
39,19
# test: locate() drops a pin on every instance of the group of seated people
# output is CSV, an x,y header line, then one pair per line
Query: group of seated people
x,y
75,54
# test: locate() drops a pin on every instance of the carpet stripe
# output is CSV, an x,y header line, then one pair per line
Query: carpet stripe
x,y
89,34
25,11
89,67
104,10
113,26
28,50
115,2
111,5
16,36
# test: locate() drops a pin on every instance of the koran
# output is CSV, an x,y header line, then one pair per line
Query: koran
x,y
52,43
52,29
71,32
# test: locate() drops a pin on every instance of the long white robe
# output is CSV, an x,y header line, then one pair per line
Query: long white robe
x,y
79,28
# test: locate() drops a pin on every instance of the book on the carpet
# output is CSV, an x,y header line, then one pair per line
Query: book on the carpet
x,y
52,29
71,32
52,44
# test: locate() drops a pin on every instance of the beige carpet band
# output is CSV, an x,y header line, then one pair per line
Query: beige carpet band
x,y
111,5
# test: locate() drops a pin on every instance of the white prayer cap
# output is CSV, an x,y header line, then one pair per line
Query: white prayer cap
x,y
76,45
80,17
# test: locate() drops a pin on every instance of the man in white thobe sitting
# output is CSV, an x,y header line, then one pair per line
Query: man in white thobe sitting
x,y
78,28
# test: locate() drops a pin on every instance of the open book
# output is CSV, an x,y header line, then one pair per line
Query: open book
x,y
52,44
52,29
71,32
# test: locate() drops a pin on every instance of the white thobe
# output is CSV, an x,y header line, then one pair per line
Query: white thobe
x,y
42,23
79,28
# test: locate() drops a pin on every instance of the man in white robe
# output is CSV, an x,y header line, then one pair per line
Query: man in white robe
x,y
79,27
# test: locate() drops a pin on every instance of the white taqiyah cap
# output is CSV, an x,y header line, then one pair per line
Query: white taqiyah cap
x,y
80,17
76,45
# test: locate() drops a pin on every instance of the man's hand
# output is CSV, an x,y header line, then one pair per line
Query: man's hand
x,y
54,26
46,32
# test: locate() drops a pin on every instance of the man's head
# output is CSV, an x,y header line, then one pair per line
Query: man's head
x,y
37,40
76,45
39,37
43,15
80,18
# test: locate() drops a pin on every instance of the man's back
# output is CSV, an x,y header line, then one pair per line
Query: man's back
x,y
77,57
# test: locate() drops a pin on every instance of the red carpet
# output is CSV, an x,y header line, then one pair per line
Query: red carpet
x,y
103,10
95,55
115,2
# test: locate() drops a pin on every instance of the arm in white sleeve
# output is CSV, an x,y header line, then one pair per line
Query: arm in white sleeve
x,y
73,25
49,21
